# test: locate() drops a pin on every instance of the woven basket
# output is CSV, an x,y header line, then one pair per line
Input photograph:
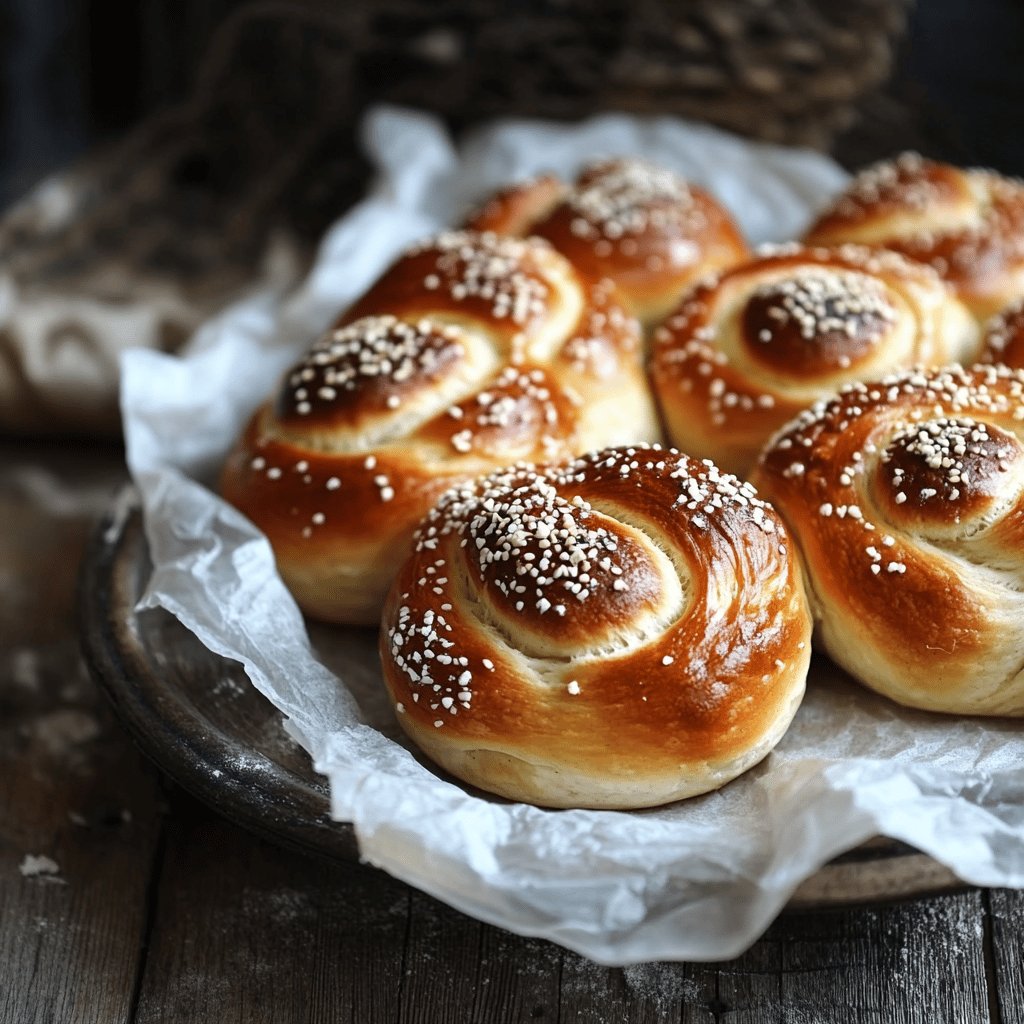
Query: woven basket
x,y
234,188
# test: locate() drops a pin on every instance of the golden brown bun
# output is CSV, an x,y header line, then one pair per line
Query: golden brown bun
x,y
641,226
906,497
751,347
515,210
624,631
471,352
1003,340
967,224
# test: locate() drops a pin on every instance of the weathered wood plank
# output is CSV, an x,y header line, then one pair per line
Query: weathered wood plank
x,y
458,970
247,932
1006,918
641,994
517,979
442,956
73,790
921,961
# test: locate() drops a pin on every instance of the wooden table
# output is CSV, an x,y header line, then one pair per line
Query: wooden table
x,y
161,911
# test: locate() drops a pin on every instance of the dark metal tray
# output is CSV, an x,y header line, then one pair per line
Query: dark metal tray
x,y
197,716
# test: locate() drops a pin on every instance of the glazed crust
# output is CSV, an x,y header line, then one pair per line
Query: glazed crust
x,y
966,224
753,346
471,352
906,497
624,631
641,226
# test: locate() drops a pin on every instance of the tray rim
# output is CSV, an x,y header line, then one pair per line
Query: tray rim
x,y
274,802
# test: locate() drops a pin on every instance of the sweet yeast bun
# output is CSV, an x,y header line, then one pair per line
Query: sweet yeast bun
x,y
906,496
1003,338
754,345
640,225
471,352
966,224
623,631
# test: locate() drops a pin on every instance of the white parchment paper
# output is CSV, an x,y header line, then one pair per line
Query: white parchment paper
x,y
696,880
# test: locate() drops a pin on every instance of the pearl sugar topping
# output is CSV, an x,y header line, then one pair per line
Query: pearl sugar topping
x,y
947,460
374,354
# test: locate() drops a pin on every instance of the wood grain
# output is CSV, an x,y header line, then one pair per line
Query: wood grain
x,y
247,932
640,994
518,979
920,961
1006,930
72,788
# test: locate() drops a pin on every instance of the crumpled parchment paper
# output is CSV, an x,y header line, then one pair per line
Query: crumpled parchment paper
x,y
697,880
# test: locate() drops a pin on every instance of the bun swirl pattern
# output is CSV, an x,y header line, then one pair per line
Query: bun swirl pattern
x,y
623,631
753,346
906,497
639,225
968,225
471,352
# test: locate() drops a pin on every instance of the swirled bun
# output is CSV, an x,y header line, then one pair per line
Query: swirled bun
x,y
471,352
906,497
967,224
753,346
623,631
1003,338
639,225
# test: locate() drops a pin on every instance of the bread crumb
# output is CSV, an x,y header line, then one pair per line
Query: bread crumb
x,y
40,866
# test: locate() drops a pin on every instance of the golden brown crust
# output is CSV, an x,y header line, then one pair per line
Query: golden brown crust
x,y
471,352
1003,339
967,224
906,497
750,348
641,226
623,631
515,209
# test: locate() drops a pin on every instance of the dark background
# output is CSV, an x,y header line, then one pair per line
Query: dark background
x,y
76,73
